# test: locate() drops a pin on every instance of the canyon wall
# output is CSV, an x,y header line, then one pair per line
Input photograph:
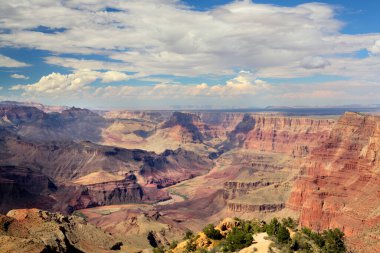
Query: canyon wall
x,y
339,185
290,135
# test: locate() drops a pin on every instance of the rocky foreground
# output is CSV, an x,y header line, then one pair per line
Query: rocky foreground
x,y
34,230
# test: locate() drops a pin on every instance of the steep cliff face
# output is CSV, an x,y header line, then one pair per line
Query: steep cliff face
x,y
237,207
218,125
239,135
121,192
293,136
185,121
339,185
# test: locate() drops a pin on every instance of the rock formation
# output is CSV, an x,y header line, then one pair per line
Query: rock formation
x,y
339,184
33,230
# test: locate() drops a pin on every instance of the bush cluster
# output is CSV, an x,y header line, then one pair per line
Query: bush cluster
x,y
241,236
212,233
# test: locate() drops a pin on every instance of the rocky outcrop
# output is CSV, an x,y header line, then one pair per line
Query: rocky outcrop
x,y
154,116
186,122
237,207
171,167
35,124
33,230
233,189
339,184
239,134
230,185
42,107
122,192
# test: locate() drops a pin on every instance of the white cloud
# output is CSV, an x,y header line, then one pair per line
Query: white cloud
x,y
79,84
85,64
57,84
244,85
271,41
18,76
346,67
314,63
75,84
243,90
114,76
241,35
7,62
375,49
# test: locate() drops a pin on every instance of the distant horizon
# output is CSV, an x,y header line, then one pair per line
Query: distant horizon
x,y
300,109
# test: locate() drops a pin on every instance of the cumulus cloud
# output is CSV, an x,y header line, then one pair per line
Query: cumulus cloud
x,y
114,76
271,41
245,89
245,84
79,83
7,62
375,49
18,76
56,84
241,34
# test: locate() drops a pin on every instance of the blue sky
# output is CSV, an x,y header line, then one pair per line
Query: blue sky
x,y
165,53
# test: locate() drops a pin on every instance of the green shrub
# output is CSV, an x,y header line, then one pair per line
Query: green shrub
x,y
236,240
158,250
212,233
190,246
188,235
289,223
283,235
173,245
272,227
333,241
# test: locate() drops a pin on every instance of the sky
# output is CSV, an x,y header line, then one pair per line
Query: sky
x,y
162,54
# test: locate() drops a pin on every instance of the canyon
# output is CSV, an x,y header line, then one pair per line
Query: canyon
x,y
161,173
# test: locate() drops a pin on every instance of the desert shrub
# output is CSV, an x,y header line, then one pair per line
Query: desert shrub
x,y
212,233
300,243
190,246
188,235
237,239
173,245
289,223
283,235
158,250
272,227
333,241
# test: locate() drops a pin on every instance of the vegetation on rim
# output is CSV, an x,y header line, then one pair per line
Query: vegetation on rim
x,y
284,235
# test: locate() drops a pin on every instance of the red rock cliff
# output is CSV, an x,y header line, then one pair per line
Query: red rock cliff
x,y
294,136
339,185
